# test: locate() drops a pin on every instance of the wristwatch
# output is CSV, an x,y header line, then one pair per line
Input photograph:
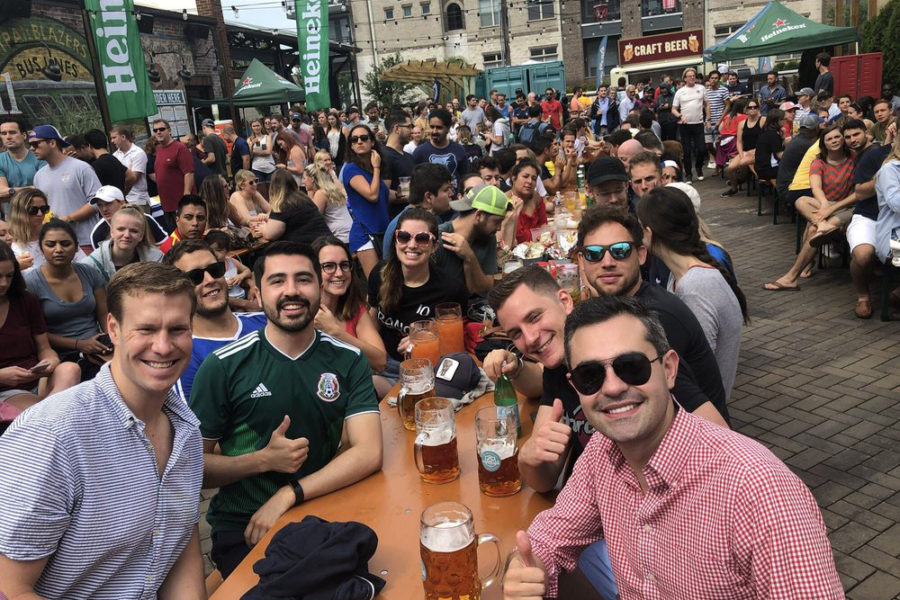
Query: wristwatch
x,y
298,493
11,191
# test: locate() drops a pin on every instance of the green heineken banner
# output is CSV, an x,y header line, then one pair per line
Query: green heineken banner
x,y
312,39
121,58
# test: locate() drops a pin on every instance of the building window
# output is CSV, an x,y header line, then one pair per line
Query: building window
x,y
651,8
544,54
540,9
426,8
454,17
600,11
492,59
490,12
388,14
407,11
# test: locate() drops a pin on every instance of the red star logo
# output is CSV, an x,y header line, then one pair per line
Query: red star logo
x,y
247,81
780,23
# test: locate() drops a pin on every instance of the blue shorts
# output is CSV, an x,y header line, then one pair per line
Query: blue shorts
x,y
595,564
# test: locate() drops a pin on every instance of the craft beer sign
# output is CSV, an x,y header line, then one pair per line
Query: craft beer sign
x,y
121,58
667,46
312,40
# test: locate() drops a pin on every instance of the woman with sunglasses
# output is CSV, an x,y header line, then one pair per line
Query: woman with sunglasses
x,y
294,217
128,243
342,313
331,200
726,147
530,212
672,233
73,299
748,133
27,211
289,155
406,288
248,205
366,182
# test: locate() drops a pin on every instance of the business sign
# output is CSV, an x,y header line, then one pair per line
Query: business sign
x,y
312,40
666,46
121,59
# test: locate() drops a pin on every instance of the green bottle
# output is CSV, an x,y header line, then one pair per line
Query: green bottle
x,y
505,398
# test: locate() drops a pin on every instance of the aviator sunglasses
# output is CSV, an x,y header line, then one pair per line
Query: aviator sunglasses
x,y
215,270
619,251
632,367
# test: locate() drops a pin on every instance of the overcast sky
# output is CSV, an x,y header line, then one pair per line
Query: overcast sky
x,y
262,13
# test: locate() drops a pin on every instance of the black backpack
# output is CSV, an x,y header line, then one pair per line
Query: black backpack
x,y
528,132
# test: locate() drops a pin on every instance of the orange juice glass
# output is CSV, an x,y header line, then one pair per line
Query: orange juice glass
x,y
450,327
423,336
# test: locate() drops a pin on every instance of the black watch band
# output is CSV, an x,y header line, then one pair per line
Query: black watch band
x,y
298,493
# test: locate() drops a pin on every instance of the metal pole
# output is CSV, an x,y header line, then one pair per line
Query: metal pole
x,y
95,66
504,39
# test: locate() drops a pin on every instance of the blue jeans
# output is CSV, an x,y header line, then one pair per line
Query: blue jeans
x,y
595,564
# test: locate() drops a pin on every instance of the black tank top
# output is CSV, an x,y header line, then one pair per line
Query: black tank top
x,y
751,134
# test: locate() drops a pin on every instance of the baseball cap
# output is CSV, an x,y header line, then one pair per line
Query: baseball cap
x,y
689,190
295,116
809,122
47,132
107,193
786,106
456,374
807,91
487,198
606,168
208,123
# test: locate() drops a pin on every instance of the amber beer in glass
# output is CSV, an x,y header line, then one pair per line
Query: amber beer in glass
x,y
448,547
498,451
416,383
450,330
436,455
423,337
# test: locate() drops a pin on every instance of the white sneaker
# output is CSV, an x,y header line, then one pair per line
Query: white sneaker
x,y
895,251
711,165
699,177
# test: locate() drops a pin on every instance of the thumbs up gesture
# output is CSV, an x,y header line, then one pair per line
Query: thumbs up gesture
x,y
283,454
525,577
550,440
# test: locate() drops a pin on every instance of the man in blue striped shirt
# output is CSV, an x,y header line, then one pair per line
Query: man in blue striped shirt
x,y
100,484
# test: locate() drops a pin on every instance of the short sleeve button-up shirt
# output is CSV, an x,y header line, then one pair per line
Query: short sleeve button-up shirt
x,y
79,486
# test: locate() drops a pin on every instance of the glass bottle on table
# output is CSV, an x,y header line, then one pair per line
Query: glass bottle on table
x,y
506,401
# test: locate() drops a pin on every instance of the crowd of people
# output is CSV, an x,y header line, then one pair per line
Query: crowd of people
x,y
172,365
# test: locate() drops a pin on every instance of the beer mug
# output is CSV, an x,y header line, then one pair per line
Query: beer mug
x,y
498,451
449,545
424,342
435,449
416,383
451,336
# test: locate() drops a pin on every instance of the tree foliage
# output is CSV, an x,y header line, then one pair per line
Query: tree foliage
x,y
880,35
386,93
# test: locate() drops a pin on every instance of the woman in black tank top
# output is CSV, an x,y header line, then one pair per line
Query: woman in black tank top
x,y
748,133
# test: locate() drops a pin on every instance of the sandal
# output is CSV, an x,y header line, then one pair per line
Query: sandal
x,y
774,286
863,308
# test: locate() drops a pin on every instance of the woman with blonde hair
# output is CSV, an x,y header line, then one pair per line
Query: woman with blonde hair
x,y
128,243
331,200
27,212
248,204
323,160
294,217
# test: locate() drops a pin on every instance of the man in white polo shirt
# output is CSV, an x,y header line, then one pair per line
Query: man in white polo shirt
x,y
689,106
135,160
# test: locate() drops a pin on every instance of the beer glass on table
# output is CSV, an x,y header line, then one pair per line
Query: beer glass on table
x,y
498,451
436,454
448,546
423,339
450,332
416,383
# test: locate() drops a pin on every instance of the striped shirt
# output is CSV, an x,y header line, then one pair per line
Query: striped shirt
x,y
79,486
837,180
715,99
722,518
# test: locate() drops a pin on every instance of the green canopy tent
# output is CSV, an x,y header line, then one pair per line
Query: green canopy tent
x,y
777,29
261,86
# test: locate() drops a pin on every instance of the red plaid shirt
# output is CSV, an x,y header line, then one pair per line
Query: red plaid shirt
x,y
722,518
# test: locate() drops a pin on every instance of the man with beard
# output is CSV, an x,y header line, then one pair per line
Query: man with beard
x,y
468,247
400,163
440,150
277,403
214,325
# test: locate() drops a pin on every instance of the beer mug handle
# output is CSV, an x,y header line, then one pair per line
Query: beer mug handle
x,y
498,565
417,455
400,395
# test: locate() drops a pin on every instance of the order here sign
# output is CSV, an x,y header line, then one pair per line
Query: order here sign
x,y
666,46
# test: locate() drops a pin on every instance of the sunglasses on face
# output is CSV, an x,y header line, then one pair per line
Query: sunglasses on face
x,y
360,138
752,107
632,368
160,129
36,143
422,238
619,251
252,181
215,270
34,210
331,267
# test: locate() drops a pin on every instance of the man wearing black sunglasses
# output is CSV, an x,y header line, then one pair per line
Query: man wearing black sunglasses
x,y
690,509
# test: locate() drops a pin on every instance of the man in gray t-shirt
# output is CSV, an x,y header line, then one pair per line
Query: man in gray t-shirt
x,y
473,115
216,153
68,183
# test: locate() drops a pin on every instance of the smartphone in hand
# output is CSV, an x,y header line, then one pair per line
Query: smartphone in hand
x,y
40,367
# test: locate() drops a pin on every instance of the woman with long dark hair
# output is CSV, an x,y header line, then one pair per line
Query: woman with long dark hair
x,y
289,155
337,139
366,182
407,286
770,146
726,148
215,192
27,211
29,368
528,206
262,159
672,233
748,133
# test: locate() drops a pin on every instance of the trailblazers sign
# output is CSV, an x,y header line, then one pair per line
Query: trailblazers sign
x,y
667,46
121,59
312,40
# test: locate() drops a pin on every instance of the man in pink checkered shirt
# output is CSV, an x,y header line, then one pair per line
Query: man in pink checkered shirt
x,y
690,510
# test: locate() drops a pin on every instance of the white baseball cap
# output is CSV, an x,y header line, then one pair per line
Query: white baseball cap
x,y
108,193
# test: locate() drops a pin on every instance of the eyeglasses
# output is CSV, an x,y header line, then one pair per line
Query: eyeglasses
x,y
36,143
360,138
331,267
251,181
632,367
422,238
34,210
752,107
619,251
160,129
215,270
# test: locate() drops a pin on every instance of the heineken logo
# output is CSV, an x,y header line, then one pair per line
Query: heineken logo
x,y
247,81
784,27
311,48
779,23
111,29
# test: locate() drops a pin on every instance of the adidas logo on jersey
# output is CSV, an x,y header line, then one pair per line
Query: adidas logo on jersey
x,y
260,391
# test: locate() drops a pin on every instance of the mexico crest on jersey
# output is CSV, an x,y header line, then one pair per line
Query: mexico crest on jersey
x,y
328,388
